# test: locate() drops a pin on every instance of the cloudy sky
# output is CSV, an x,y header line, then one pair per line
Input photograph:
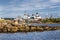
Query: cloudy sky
x,y
13,8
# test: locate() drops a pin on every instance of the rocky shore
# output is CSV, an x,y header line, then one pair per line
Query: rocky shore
x,y
24,28
11,27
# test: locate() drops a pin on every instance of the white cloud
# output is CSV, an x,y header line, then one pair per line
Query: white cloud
x,y
54,6
1,8
15,5
54,1
31,5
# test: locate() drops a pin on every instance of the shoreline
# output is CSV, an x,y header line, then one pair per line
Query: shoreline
x,y
28,29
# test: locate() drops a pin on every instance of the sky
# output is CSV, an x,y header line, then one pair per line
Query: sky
x,y
14,8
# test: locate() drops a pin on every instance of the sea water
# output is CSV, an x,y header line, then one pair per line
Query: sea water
x,y
46,35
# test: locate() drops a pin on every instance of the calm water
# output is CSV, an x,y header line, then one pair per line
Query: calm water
x,y
46,35
38,24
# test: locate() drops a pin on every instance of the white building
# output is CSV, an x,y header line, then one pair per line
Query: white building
x,y
32,17
26,16
37,16
1,19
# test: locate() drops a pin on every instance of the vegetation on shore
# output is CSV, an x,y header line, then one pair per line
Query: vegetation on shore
x,y
51,20
46,20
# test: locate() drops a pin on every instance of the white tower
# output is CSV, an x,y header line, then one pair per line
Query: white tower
x,y
37,16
